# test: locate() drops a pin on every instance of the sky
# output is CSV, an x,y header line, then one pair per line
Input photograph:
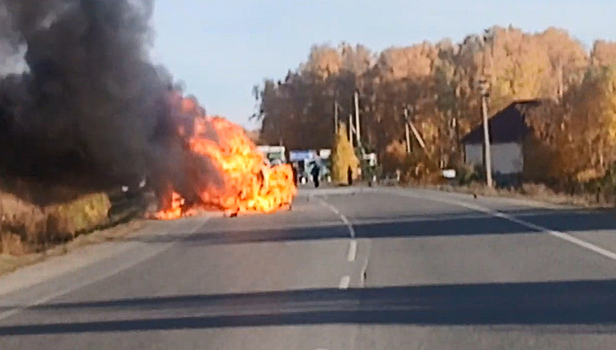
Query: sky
x,y
222,49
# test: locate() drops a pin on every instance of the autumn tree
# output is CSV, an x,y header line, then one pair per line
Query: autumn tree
x,y
575,138
298,111
517,66
343,157
603,53
401,79
593,122
438,85
323,62
568,60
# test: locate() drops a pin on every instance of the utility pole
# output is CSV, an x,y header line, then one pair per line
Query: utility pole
x,y
487,157
420,139
357,123
407,131
351,129
484,86
410,127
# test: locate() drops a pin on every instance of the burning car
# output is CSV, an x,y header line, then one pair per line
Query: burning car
x,y
224,170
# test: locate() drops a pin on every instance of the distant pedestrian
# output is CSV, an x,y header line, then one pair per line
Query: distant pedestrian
x,y
301,170
295,175
315,172
350,176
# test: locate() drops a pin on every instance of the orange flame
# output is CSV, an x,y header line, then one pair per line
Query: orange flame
x,y
175,210
225,170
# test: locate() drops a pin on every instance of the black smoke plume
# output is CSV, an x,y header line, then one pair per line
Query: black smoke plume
x,y
81,106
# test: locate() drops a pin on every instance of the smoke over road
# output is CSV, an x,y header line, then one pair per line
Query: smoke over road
x,y
83,109
80,103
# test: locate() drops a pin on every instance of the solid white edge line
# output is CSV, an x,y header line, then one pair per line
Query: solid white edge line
x,y
15,311
564,236
345,281
558,234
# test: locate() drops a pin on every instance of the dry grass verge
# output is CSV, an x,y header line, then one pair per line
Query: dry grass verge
x,y
37,228
27,229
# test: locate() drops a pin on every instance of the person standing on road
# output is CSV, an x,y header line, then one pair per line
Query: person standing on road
x,y
315,172
350,176
295,173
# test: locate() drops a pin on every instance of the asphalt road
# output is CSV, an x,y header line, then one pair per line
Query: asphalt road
x,y
345,269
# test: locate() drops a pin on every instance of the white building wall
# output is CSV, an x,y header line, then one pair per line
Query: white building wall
x,y
507,158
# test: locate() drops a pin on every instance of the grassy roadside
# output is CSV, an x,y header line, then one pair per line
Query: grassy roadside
x,y
124,217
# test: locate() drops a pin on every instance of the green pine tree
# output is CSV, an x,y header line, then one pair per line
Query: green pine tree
x,y
343,157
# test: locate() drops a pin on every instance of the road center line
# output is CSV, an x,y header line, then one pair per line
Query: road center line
x,y
344,219
352,251
558,234
345,281
352,255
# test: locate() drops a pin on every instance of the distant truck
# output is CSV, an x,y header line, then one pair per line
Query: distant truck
x,y
275,155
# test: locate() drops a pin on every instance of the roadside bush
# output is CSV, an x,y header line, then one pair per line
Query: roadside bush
x,y
602,189
423,171
11,244
21,219
26,227
65,221
467,174
536,190
395,158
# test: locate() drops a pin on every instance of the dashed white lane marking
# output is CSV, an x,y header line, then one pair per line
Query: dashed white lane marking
x,y
352,255
558,234
10,313
352,251
345,281
342,217
154,252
